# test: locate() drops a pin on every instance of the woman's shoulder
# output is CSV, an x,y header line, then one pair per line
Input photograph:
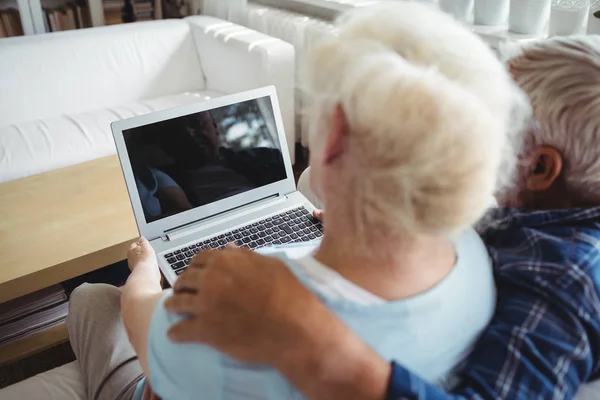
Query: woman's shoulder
x,y
474,270
472,253
474,275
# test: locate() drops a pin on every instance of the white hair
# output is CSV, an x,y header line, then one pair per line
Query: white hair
x,y
561,76
427,103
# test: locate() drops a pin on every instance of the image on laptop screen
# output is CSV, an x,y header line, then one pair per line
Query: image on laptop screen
x,y
197,159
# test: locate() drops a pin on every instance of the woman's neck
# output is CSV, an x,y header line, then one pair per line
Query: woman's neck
x,y
392,269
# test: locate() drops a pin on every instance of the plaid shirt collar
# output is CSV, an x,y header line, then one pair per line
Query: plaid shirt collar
x,y
499,219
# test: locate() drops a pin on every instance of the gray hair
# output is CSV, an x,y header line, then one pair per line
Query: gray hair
x,y
561,76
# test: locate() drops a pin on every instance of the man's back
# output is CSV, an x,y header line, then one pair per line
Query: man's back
x,y
547,271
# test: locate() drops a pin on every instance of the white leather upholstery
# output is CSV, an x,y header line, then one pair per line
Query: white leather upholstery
x,y
236,58
60,92
74,71
38,146
62,383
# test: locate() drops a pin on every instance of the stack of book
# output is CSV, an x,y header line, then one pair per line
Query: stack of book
x,y
112,11
144,10
33,313
10,23
70,16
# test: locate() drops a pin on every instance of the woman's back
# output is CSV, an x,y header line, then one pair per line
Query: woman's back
x,y
430,333
406,148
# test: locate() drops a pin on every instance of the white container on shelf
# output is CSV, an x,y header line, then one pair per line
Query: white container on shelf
x,y
568,17
491,12
593,26
462,10
529,17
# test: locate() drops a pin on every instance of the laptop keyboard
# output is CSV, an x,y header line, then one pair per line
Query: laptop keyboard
x,y
297,225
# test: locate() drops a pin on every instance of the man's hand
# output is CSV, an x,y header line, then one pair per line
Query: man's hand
x,y
242,303
252,308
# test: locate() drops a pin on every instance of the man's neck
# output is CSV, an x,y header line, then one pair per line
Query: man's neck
x,y
553,199
559,196
391,268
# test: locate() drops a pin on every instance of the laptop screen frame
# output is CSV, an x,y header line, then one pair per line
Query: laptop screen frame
x,y
156,229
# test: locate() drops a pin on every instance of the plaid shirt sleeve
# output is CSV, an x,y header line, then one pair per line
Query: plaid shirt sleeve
x,y
544,340
523,355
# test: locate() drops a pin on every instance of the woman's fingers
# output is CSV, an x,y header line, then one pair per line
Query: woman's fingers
x,y
319,214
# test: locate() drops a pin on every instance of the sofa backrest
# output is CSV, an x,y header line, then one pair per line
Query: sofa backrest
x,y
69,72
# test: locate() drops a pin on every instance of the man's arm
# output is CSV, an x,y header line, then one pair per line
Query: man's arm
x,y
531,350
335,364
312,348
522,355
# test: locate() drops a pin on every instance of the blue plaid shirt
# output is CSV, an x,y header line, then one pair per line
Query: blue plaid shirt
x,y
544,340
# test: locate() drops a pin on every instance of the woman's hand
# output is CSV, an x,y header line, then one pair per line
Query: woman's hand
x,y
139,253
319,214
142,255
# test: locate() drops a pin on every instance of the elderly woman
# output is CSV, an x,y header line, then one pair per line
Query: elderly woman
x,y
407,142
543,340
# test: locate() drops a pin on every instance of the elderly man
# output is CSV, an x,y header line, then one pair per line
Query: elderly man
x,y
544,341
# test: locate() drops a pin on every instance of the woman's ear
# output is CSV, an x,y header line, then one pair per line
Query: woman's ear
x,y
338,129
546,167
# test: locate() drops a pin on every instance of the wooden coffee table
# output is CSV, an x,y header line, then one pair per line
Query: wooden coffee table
x,y
56,226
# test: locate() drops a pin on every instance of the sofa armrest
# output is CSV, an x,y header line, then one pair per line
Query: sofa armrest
x,y
235,58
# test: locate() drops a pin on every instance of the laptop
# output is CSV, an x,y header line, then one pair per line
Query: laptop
x,y
207,174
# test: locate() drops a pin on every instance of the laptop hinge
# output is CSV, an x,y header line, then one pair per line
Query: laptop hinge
x,y
217,219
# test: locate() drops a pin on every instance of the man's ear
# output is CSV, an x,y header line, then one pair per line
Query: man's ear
x,y
338,129
547,165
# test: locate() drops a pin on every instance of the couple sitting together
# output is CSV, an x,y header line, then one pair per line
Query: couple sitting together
x,y
416,126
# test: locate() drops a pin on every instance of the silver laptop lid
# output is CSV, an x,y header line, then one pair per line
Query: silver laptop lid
x,y
189,163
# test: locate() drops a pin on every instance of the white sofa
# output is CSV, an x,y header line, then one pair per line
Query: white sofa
x,y
62,383
59,92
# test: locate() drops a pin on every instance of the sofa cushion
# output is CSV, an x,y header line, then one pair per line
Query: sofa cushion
x,y
62,383
87,69
38,146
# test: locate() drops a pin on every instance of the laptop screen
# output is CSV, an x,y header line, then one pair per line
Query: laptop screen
x,y
197,159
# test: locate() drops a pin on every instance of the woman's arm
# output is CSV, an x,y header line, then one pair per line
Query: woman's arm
x,y
140,296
